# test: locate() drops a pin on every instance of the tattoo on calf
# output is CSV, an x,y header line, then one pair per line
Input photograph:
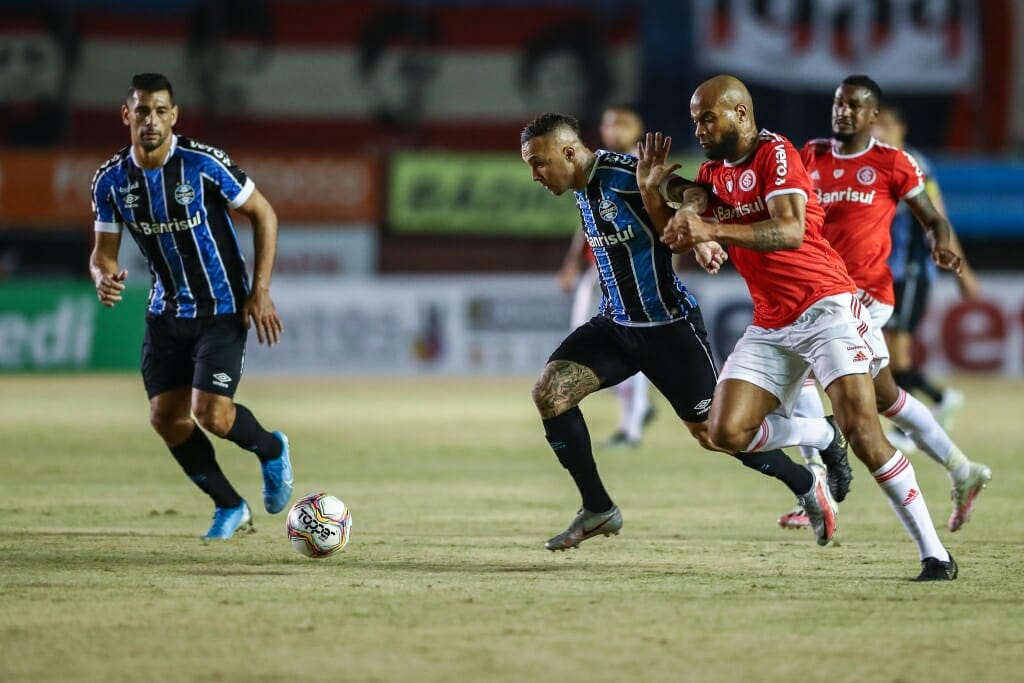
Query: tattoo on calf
x,y
561,386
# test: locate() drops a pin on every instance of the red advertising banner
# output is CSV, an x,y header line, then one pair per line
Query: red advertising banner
x,y
51,189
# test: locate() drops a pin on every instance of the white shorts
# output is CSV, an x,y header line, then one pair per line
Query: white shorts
x,y
832,337
879,314
586,298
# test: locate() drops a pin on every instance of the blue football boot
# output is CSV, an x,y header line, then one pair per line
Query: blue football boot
x,y
226,521
277,479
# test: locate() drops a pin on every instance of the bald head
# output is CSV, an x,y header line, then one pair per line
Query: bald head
x,y
723,112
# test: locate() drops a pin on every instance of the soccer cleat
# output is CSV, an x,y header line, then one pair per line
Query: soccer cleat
x,y
620,440
965,492
226,521
839,473
277,478
821,508
933,569
584,525
795,519
951,403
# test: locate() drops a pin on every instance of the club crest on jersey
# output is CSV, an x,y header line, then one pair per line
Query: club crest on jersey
x,y
184,194
866,176
747,180
608,210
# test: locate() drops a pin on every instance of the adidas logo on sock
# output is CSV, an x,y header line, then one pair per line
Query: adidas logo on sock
x,y
911,497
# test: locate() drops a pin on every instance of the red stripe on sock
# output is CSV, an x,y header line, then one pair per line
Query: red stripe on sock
x,y
901,400
764,437
895,471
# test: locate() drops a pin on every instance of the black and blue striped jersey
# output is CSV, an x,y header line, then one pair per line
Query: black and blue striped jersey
x,y
638,285
179,217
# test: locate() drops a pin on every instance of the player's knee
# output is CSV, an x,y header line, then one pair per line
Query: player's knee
x,y
728,435
864,435
214,417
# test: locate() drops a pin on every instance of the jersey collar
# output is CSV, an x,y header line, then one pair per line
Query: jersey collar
x,y
837,155
743,159
170,152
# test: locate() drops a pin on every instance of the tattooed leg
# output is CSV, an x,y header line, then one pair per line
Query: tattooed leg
x,y
561,386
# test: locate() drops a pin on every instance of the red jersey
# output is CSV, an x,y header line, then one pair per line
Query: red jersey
x,y
860,193
783,284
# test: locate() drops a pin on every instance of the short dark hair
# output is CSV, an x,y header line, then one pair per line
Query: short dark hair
x,y
151,82
548,123
862,81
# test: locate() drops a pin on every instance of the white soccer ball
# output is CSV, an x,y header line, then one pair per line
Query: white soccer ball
x,y
319,525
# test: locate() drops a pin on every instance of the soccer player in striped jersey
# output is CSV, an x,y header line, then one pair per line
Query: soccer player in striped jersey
x,y
648,322
173,195
806,312
621,130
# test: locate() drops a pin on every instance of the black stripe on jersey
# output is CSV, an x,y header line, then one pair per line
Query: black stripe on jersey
x,y
149,245
185,241
622,270
226,239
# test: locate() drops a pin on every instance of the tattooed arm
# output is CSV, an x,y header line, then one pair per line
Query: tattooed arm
x,y
783,230
561,386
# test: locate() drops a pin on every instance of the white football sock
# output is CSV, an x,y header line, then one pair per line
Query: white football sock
x,y
809,404
898,481
624,392
910,415
778,431
638,406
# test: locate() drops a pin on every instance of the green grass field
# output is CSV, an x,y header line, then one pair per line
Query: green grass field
x,y
453,491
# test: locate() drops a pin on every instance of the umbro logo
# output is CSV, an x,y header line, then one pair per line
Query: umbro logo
x,y
911,497
703,406
221,380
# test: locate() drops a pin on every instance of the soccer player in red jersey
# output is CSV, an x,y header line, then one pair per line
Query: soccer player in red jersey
x,y
806,312
860,181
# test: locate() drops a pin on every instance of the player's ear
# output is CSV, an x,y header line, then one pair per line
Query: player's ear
x,y
174,115
126,115
569,152
741,112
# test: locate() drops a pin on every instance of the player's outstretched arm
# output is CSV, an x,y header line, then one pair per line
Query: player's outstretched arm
x,y
660,189
259,309
938,227
103,267
784,230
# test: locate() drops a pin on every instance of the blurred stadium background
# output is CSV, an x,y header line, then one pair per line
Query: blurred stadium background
x,y
385,135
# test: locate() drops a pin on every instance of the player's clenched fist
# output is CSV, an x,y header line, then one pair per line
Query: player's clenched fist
x,y
686,230
110,286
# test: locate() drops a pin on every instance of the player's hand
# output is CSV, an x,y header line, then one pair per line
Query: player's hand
x,y
567,277
685,230
710,256
947,259
652,167
109,288
259,311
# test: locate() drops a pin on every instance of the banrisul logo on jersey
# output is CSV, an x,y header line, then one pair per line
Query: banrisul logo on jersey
x,y
184,194
608,210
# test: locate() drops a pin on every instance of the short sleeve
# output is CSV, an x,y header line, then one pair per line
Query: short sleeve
x,y
235,186
782,171
105,214
907,176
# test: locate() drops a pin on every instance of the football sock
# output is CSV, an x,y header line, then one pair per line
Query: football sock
x,y
777,464
195,455
898,481
809,404
914,380
249,434
638,407
624,392
778,431
569,439
910,415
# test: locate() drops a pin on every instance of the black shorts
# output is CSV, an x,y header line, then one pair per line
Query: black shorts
x,y
203,353
675,357
911,303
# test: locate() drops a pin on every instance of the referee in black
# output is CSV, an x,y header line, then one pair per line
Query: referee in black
x,y
174,195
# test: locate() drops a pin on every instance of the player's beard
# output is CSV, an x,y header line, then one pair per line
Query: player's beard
x,y
843,137
726,148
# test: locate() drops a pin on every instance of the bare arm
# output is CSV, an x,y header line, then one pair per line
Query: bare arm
x,y
970,289
259,308
783,230
570,269
103,267
660,188
936,224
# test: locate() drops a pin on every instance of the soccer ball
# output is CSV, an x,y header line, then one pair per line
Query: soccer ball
x,y
319,525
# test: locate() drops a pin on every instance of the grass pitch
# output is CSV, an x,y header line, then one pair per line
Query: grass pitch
x,y
453,491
